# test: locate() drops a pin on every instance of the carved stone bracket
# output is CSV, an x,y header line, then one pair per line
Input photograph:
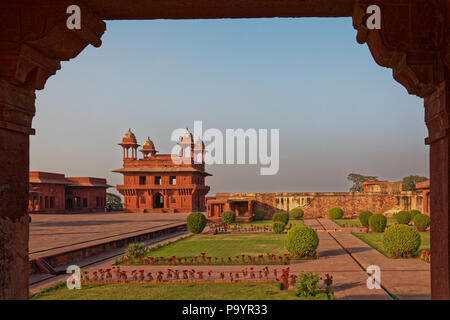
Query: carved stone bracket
x,y
413,40
34,39
437,113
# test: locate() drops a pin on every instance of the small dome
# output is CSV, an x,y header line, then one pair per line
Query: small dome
x,y
129,134
199,142
187,134
148,144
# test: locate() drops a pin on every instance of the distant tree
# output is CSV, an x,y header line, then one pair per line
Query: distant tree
x,y
358,180
114,201
409,183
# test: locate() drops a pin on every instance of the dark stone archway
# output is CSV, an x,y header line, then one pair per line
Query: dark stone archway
x,y
414,42
158,201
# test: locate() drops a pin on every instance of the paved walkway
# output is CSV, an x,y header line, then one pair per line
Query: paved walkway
x,y
343,256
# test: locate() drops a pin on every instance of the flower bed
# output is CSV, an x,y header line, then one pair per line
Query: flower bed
x,y
203,259
425,255
116,275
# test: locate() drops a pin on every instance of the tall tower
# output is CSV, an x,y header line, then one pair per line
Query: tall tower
x,y
187,147
148,149
129,142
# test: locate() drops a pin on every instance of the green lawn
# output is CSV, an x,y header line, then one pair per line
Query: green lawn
x,y
224,245
268,223
375,240
173,291
354,222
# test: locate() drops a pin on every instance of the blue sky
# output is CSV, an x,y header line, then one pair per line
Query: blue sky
x,y
337,110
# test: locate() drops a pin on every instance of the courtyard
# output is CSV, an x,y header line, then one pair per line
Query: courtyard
x,y
342,255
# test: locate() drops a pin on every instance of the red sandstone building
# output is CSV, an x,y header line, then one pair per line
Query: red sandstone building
x,y
378,196
163,182
56,193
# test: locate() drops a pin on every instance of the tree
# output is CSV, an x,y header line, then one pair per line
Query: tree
x,y
358,180
409,183
114,201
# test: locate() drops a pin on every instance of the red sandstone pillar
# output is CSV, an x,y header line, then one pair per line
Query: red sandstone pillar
x,y
437,113
16,112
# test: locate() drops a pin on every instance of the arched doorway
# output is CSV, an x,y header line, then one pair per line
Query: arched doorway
x,y
420,63
159,200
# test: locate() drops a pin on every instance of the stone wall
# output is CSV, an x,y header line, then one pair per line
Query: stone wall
x,y
317,204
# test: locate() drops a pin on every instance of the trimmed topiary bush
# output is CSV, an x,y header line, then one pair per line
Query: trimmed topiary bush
x,y
377,222
401,239
196,222
228,217
364,218
421,222
296,214
278,226
281,216
335,213
414,213
302,240
403,217
260,214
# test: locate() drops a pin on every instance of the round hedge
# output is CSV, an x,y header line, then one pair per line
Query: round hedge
x,y
364,218
414,213
403,217
228,217
296,214
281,216
401,238
421,222
335,213
260,214
196,222
278,226
377,222
301,239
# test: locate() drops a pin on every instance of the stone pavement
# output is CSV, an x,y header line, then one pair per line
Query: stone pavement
x,y
52,233
343,256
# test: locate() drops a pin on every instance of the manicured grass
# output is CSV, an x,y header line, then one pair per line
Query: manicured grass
x,y
174,291
354,222
224,245
375,240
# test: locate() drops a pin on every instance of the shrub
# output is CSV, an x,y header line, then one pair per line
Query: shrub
x,y
364,218
307,284
260,214
296,214
136,250
421,222
335,213
278,226
281,216
196,222
402,239
403,217
301,240
228,217
377,223
414,213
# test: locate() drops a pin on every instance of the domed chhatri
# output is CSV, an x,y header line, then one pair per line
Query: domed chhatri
x,y
187,134
148,144
200,143
129,134
129,142
148,148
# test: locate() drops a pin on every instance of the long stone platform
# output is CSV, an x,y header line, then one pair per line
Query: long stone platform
x,y
63,238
